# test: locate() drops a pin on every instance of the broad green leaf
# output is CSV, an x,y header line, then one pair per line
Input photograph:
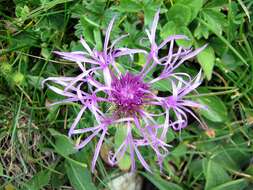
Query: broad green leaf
x,y
180,150
58,179
38,181
215,19
216,110
160,183
195,6
79,177
63,144
238,184
231,157
230,61
171,28
170,135
168,29
85,29
206,59
215,175
162,85
201,31
129,6
216,3
182,19
195,169
141,59
125,161
184,31
150,7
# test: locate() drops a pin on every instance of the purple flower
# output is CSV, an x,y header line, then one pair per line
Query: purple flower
x,y
115,97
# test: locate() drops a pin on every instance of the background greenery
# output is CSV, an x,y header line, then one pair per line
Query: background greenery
x,y
35,152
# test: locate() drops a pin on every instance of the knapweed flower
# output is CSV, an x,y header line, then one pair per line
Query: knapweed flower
x,y
124,98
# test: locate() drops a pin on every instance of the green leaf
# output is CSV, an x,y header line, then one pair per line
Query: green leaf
x,y
215,19
196,169
85,29
215,175
170,135
120,136
39,180
195,6
230,61
184,31
168,29
141,59
160,183
171,28
239,184
22,11
216,110
150,7
98,40
180,150
206,59
201,31
162,85
232,158
129,6
216,3
63,144
79,177
182,19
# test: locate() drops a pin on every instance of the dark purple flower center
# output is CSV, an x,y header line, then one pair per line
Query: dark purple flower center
x,y
129,92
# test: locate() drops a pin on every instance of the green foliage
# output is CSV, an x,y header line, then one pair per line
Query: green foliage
x,y
215,110
79,177
160,183
215,175
120,135
63,145
182,19
206,59
39,180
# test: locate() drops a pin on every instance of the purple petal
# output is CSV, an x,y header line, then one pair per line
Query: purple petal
x,y
143,162
169,38
76,121
107,35
154,26
88,139
127,51
97,150
86,46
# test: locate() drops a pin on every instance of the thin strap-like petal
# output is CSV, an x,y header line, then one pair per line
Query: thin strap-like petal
x,y
107,35
86,46
97,150
73,126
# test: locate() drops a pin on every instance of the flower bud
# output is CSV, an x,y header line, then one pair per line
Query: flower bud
x,y
18,78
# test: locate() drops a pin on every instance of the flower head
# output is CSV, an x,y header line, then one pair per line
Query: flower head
x,y
128,93
125,98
